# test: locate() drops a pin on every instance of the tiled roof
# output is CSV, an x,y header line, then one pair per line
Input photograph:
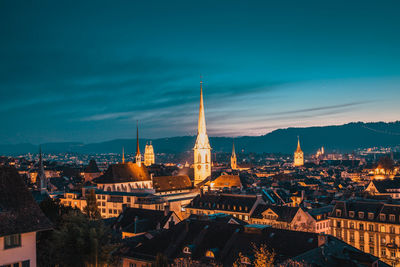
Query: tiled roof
x,y
146,220
225,240
92,167
124,172
171,183
285,213
226,181
383,185
227,202
19,213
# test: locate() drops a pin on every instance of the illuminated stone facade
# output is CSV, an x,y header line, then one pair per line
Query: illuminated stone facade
x,y
372,227
233,158
149,157
298,155
202,148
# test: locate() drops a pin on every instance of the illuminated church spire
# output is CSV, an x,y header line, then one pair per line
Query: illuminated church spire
x,y
233,157
138,157
123,155
298,155
202,148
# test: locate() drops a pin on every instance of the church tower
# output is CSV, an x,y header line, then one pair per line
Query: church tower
x,y
149,158
138,156
233,158
298,155
202,148
41,177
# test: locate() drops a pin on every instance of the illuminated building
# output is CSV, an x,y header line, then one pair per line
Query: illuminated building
x,y
298,155
233,158
372,227
202,148
149,158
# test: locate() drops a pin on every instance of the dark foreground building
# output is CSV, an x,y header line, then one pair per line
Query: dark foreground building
x,y
217,240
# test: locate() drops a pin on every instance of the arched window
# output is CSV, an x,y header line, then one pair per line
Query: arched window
x,y
199,158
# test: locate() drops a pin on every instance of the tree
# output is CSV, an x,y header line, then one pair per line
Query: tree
x,y
82,242
76,239
263,257
387,164
91,209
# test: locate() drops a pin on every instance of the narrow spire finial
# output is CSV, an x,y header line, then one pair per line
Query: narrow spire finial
x,y
137,138
123,155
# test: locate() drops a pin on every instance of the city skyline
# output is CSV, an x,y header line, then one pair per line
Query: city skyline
x,y
86,73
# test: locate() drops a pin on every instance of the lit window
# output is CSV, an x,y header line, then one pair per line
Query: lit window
x,y
382,217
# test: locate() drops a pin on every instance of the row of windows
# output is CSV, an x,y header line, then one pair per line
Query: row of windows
x,y
323,225
382,228
371,216
240,216
111,211
223,206
26,263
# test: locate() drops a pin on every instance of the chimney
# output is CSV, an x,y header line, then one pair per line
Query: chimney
x,y
135,223
166,209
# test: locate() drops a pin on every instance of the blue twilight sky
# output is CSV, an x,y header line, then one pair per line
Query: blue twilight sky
x,y
87,70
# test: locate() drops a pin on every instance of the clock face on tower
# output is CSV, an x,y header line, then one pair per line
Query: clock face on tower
x,y
199,167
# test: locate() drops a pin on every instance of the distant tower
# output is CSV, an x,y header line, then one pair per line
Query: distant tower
x,y
41,177
123,155
149,158
322,150
138,156
202,148
233,157
298,155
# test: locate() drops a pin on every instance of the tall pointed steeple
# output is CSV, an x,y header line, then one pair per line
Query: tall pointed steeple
x,y
202,137
233,157
298,155
298,145
138,157
123,155
202,148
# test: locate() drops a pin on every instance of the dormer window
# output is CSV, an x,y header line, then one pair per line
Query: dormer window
x,y
370,216
187,250
351,214
382,217
210,254
338,213
361,215
392,217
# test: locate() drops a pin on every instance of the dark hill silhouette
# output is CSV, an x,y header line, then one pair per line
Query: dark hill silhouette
x,y
341,138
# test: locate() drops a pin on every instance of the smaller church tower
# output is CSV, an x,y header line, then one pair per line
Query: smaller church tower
x,y
123,156
41,177
138,156
149,158
298,155
233,158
